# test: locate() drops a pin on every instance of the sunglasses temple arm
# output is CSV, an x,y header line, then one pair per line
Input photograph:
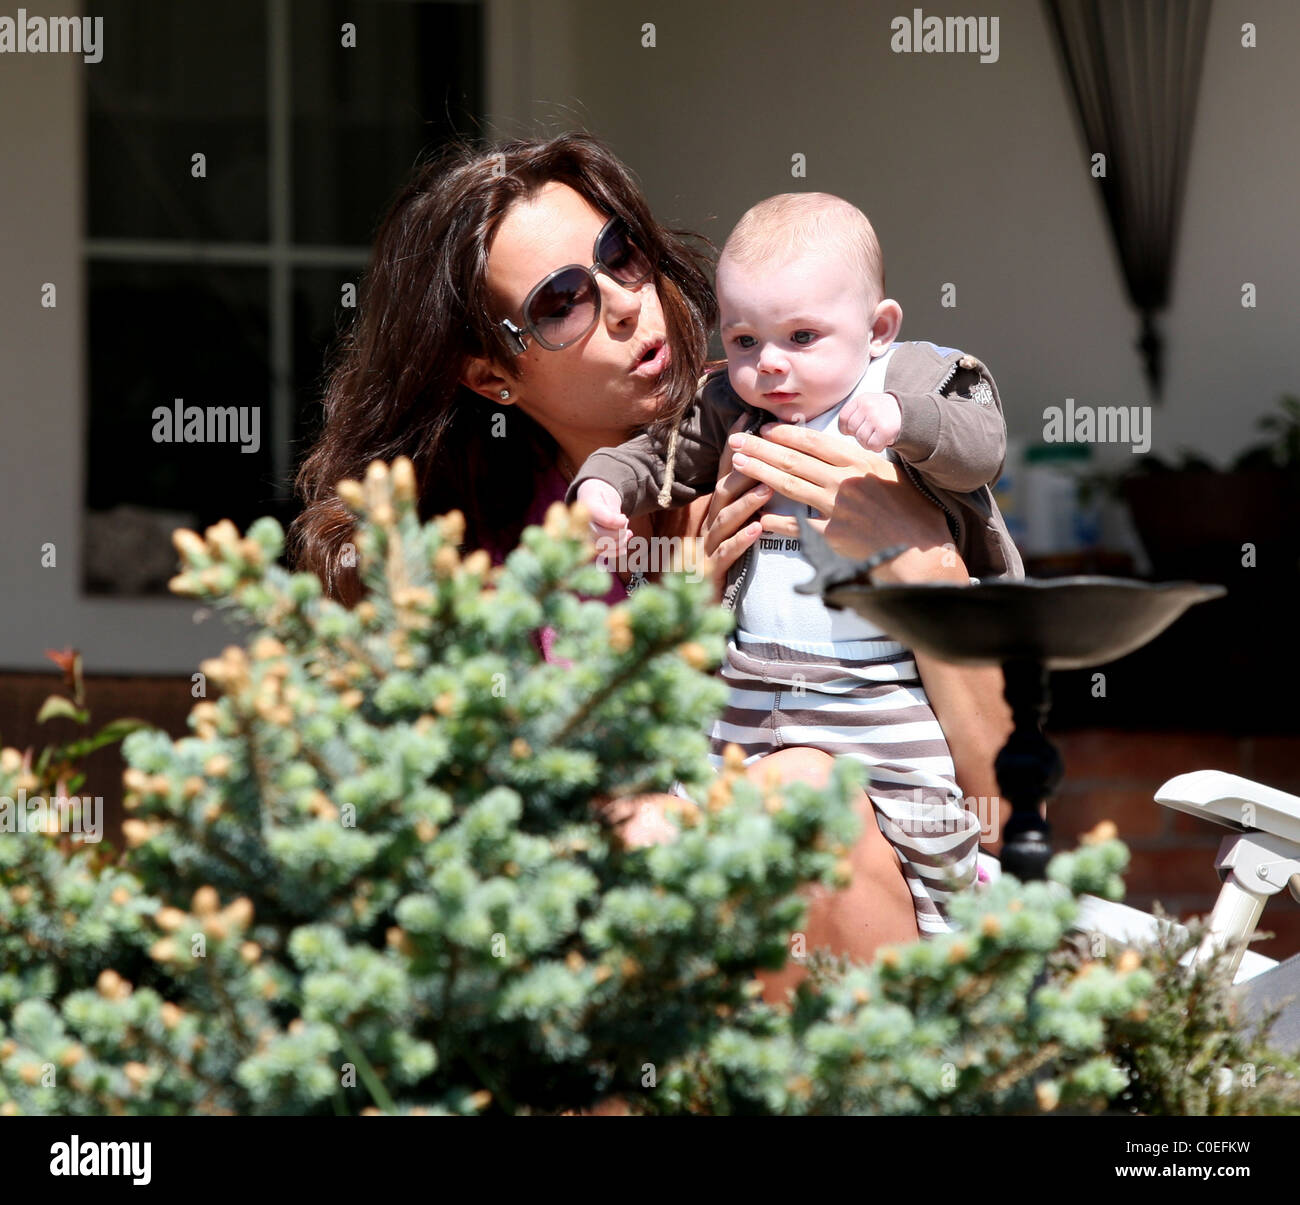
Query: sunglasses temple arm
x,y
515,335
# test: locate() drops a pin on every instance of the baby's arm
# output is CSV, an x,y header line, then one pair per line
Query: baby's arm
x,y
956,439
635,469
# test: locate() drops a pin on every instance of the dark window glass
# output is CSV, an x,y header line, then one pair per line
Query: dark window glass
x,y
181,79
178,80
160,332
362,114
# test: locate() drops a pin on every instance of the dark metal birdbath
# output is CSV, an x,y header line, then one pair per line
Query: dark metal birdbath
x,y
1028,627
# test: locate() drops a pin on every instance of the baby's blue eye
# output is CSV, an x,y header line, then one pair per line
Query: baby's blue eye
x,y
740,341
811,336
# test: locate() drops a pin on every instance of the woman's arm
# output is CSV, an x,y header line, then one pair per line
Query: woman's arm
x,y
969,704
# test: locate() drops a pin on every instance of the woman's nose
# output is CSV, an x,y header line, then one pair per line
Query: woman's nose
x,y
618,301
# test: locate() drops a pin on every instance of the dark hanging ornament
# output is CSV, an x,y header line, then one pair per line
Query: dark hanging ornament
x,y
1152,346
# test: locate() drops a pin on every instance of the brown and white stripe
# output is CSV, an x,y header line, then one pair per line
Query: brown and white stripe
x,y
861,699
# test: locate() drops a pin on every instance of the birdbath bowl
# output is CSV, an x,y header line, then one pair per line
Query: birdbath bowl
x,y
1028,627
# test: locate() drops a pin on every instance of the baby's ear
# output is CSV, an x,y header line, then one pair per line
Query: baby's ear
x,y
886,322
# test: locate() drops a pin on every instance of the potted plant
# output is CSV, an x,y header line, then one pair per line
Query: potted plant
x,y
1197,521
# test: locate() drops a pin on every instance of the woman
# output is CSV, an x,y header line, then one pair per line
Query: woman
x,y
524,308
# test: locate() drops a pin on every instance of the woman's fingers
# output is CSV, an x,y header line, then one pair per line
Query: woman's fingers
x,y
743,502
872,512
821,446
730,518
729,551
818,456
735,498
730,483
789,484
799,464
787,525
867,500
734,485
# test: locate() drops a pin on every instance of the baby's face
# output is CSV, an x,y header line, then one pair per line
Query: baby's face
x,y
796,334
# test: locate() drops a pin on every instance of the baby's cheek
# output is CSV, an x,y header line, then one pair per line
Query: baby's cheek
x,y
746,385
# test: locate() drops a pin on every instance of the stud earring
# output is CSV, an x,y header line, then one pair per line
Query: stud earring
x,y
505,393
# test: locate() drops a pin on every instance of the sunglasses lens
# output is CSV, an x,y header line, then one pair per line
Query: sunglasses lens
x,y
564,308
624,259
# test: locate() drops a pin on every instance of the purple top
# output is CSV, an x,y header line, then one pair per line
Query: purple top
x,y
550,486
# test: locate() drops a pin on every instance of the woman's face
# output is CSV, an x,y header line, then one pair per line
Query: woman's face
x,y
587,391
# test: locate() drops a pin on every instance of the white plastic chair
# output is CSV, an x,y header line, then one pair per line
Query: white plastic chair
x,y
1258,859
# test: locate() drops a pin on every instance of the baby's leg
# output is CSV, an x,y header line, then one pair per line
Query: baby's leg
x,y
874,910
888,725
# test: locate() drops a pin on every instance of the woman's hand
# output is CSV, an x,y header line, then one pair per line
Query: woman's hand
x,y
868,504
729,528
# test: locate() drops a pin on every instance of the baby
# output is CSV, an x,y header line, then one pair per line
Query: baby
x,y
810,337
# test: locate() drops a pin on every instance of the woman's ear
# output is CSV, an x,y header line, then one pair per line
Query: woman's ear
x,y
484,378
886,322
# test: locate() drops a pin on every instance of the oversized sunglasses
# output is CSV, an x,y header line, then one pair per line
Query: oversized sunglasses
x,y
565,306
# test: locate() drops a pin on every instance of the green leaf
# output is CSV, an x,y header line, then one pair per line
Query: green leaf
x,y
57,705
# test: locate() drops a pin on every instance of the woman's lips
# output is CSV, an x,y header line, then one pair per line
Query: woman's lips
x,y
656,364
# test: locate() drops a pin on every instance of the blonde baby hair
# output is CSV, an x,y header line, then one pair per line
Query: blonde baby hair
x,y
792,223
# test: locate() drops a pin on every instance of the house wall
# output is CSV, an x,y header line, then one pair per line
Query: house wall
x,y
973,173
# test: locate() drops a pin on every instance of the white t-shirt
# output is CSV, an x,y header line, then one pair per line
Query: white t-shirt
x,y
770,609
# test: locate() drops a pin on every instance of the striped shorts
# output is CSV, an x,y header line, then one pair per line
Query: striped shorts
x,y
863,699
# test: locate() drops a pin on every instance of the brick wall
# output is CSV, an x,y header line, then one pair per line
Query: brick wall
x,y
1109,774
162,702
1113,775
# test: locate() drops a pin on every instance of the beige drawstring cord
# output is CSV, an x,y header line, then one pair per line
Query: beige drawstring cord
x,y
666,493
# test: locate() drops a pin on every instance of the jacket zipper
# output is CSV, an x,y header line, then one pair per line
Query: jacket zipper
x,y
952,372
741,574
916,480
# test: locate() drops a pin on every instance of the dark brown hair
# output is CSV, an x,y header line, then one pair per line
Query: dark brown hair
x,y
392,388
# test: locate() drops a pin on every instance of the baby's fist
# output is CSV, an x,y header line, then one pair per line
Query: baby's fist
x,y
873,419
608,522
602,501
